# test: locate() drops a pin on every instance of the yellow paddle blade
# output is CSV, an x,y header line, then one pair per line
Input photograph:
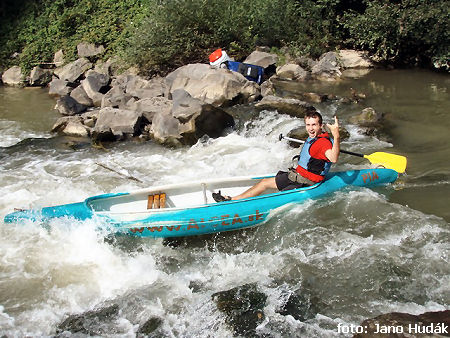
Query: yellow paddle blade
x,y
390,161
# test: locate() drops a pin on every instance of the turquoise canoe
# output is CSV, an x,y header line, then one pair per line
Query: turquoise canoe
x,y
188,209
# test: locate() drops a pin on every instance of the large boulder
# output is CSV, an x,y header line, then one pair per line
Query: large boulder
x,y
262,59
188,120
93,84
113,124
115,98
40,76
79,94
291,71
13,76
150,106
67,105
292,107
328,67
354,59
59,87
85,49
211,85
141,88
71,126
73,71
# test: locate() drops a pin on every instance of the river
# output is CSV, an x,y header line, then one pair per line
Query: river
x,y
351,256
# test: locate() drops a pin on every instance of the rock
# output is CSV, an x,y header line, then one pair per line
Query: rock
x,y
327,68
291,71
367,118
267,88
150,106
243,307
13,76
93,84
149,326
165,129
58,58
113,124
79,94
62,122
184,105
73,71
188,120
141,88
59,88
115,97
428,324
75,129
305,62
262,59
354,59
89,49
67,105
292,107
40,77
214,86
300,306
89,323
357,96
315,97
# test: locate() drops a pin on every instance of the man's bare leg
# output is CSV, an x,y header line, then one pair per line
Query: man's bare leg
x,y
258,188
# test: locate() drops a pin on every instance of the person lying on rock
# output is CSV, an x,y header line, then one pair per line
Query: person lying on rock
x,y
314,161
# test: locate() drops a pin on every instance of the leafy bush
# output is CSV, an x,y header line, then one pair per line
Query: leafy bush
x,y
37,29
408,31
177,32
160,35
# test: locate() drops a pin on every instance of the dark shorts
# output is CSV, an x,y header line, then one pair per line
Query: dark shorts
x,y
284,183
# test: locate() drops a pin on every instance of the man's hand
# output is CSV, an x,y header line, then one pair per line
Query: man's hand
x,y
333,153
334,128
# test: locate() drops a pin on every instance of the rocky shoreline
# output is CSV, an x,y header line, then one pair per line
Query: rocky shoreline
x,y
97,101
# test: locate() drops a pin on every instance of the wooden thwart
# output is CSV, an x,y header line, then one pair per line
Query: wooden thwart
x,y
156,201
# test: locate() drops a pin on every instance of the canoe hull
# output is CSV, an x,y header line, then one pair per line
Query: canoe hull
x,y
203,218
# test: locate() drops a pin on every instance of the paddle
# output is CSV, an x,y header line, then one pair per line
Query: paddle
x,y
391,161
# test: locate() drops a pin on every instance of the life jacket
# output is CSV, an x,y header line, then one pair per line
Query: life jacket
x,y
311,164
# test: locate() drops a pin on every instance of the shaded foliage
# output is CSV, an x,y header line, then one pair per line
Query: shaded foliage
x,y
159,35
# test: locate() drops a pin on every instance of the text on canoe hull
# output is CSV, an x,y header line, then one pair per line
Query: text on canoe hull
x,y
223,220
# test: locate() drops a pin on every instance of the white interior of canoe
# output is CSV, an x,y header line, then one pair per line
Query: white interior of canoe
x,y
176,196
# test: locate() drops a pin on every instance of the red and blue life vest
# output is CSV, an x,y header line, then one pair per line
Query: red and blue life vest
x,y
311,164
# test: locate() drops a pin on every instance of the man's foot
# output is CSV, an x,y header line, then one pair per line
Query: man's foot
x,y
219,198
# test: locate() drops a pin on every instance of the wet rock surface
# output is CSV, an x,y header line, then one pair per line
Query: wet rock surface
x,y
243,307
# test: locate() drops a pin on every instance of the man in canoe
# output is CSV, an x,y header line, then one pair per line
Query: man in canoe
x,y
315,159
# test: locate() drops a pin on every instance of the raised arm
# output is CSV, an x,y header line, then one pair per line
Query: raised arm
x,y
333,153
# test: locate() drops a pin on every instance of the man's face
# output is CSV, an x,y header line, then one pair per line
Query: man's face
x,y
312,126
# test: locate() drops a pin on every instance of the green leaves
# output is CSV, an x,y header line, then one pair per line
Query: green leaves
x,y
159,35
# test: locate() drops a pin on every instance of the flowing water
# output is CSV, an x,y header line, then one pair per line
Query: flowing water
x,y
353,255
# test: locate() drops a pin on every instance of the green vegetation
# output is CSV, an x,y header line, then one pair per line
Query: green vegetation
x,y
159,35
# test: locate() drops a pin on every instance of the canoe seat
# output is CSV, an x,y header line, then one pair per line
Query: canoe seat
x,y
156,201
